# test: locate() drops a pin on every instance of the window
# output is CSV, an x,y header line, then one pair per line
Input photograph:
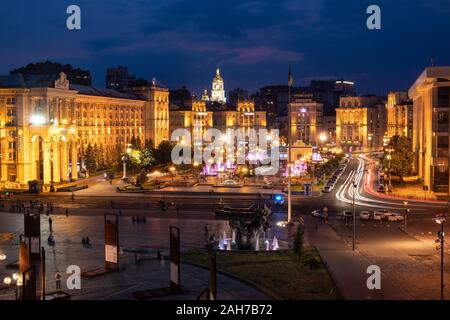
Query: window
x,y
443,97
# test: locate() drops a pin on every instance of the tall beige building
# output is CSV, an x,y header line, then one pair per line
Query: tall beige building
x,y
46,123
195,118
399,114
360,123
306,119
431,106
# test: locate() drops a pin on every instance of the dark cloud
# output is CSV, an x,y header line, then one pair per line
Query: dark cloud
x,y
254,41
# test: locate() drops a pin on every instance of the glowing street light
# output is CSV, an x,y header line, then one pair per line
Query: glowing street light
x,y
7,281
440,219
2,257
323,137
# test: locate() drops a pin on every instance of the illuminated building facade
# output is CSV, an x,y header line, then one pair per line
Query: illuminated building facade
x,y
399,115
244,117
218,89
46,123
196,118
431,128
360,123
306,119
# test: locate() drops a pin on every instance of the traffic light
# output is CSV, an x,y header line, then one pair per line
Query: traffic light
x,y
441,234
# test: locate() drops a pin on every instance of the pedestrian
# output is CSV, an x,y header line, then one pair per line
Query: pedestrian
x,y
73,196
110,182
87,241
112,204
67,212
134,219
50,224
83,241
206,236
120,212
58,280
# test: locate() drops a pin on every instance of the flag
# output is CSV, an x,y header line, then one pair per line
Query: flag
x,y
290,79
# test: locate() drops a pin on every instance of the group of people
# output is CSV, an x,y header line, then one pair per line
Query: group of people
x,y
139,219
86,242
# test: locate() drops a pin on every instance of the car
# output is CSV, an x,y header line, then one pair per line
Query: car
x,y
395,217
346,215
318,213
380,214
327,189
364,215
381,188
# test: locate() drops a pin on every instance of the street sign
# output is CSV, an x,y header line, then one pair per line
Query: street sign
x,y
175,285
111,241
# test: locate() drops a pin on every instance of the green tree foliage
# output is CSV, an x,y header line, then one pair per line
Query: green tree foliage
x,y
147,158
164,152
89,158
402,157
298,239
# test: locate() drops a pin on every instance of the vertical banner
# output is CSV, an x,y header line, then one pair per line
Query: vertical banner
x,y
175,285
111,241
29,284
33,233
212,276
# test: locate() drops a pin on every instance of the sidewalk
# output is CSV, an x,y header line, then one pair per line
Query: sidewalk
x,y
348,268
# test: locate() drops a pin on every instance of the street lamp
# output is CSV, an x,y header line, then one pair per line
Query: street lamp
x,y
354,214
406,214
124,162
2,257
389,157
440,219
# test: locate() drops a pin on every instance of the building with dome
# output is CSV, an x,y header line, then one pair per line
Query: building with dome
x,y
218,89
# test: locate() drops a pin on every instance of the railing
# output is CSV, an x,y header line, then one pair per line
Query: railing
x,y
206,292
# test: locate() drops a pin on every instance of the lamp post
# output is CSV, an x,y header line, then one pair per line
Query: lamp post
x,y
406,214
440,219
354,214
124,162
290,82
389,157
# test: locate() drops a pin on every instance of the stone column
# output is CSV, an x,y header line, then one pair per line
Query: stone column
x,y
47,162
56,162
74,160
64,161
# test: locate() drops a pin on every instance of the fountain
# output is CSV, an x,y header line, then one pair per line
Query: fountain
x,y
275,245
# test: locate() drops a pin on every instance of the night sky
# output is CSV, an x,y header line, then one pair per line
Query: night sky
x,y
180,42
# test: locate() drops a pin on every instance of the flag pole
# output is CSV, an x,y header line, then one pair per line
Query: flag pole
x,y
289,164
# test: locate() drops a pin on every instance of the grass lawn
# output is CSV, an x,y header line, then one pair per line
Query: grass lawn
x,y
280,272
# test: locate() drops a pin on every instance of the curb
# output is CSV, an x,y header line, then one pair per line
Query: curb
x,y
251,284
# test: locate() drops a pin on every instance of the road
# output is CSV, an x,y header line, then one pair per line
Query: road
x,y
408,261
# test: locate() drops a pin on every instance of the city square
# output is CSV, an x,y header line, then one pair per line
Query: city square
x,y
237,174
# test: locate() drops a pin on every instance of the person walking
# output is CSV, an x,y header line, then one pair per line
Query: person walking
x,y
58,280
50,224
73,196
67,212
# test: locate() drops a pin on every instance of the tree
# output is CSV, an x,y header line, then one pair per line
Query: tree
x,y
147,158
90,160
164,152
298,239
401,157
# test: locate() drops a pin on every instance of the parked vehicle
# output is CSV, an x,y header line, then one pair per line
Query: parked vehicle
x,y
364,215
327,189
346,215
395,217
380,214
380,188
